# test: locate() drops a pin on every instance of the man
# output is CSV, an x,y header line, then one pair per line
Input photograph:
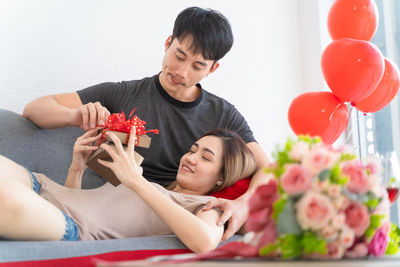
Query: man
x,y
172,101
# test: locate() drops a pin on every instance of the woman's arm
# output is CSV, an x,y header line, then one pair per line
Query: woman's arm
x,y
199,233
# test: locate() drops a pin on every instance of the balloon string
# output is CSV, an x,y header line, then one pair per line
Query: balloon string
x,y
350,133
358,135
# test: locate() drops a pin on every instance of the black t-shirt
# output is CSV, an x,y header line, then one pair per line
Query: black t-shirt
x,y
180,123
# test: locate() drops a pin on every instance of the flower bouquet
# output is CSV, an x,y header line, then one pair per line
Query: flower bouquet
x,y
320,203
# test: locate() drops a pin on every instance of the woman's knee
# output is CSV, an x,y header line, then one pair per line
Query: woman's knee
x,y
10,198
10,170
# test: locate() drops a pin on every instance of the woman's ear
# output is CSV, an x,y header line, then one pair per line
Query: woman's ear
x,y
220,181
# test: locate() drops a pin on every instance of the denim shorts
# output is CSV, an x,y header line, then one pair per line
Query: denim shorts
x,y
71,228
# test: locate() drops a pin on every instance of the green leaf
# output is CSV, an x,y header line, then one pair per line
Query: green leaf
x,y
337,177
268,249
278,207
287,222
324,175
371,201
374,224
289,144
392,181
347,156
394,240
310,140
312,244
290,246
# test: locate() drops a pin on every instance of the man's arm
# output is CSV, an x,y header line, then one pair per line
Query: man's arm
x,y
55,111
259,176
236,211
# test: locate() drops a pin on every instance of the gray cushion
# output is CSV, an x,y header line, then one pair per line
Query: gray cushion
x,y
41,150
11,251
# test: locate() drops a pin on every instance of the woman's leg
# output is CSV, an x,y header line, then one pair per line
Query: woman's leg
x,y
10,170
24,215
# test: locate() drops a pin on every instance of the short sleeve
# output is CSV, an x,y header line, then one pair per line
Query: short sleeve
x,y
109,94
239,124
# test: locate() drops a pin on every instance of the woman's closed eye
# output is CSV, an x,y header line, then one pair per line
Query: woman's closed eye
x,y
205,158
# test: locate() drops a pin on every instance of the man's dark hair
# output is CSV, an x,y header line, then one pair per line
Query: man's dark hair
x,y
210,30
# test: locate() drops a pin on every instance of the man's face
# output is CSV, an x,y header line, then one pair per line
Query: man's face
x,y
182,70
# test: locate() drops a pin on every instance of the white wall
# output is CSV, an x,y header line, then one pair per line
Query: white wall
x,y
55,46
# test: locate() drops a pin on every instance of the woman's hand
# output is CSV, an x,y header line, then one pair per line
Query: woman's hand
x,y
83,148
123,165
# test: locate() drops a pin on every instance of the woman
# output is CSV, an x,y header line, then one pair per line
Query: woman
x,y
33,207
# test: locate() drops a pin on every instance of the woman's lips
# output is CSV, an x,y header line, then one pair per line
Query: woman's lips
x,y
187,169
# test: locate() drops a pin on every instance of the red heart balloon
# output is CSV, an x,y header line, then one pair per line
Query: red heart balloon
x,y
357,19
352,68
318,114
385,91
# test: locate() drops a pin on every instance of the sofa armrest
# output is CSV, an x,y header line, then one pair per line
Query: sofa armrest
x,y
47,151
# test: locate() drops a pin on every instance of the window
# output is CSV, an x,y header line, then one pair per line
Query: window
x,y
378,134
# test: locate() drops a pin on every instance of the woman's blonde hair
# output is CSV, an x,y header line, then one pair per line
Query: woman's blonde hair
x,y
237,160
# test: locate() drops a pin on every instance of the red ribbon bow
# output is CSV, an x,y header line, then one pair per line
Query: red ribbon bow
x,y
117,122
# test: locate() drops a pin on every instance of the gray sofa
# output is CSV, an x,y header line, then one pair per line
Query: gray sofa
x,y
49,152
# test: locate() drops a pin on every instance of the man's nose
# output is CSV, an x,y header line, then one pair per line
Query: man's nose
x,y
183,70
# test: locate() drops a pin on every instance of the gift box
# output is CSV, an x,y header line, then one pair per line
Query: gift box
x,y
103,171
121,127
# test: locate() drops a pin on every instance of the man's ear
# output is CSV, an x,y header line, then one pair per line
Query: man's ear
x,y
168,42
214,67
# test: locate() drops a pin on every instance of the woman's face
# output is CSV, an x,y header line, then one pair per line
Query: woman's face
x,y
200,168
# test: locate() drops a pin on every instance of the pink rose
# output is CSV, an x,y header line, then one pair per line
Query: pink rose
x,y
298,151
373,167
320,159
338,221
296,179
357,217
314,211
329,233
346,238
359,250
358,182
380,240
340,202
334,190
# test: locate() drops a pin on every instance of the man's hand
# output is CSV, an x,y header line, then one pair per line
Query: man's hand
x,y
90,115
234,211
